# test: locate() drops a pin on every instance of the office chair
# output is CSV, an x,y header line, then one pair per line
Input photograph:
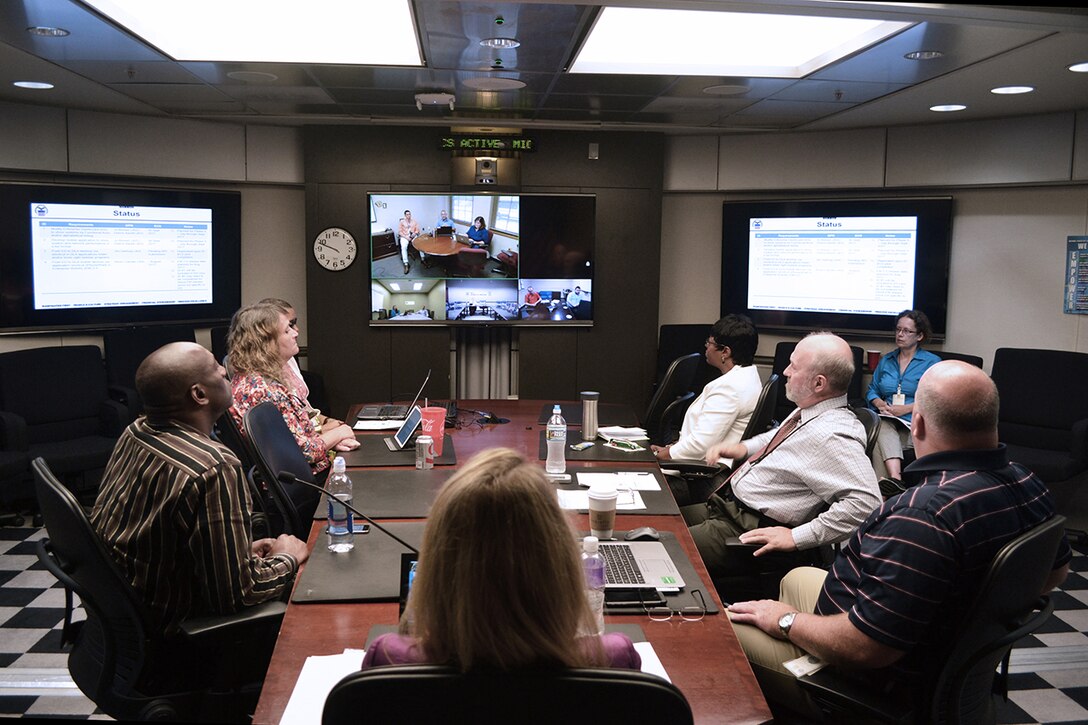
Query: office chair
x,y
439,694
961,690
276,449
55,403
125,348
871,422
676,340
471,261
677,381
964,357
119,657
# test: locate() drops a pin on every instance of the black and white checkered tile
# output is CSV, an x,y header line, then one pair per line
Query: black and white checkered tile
x,y
1049,681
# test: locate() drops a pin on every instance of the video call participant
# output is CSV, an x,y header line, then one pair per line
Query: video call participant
x,y
187,547
260,342
444,222
407,230
475,607
896,595
806,483
532,297
478,233
897,374
723,409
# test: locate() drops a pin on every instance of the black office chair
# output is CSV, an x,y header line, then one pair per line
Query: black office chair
x,y
871,422
677,382
125,348
961,690
55,403
119,658
676,340
963,357
437,694
277,450
267,518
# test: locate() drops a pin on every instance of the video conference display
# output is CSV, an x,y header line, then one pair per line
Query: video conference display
x,y
490,259
99,257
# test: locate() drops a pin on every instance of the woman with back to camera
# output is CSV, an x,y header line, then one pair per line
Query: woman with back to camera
x,y
891,392
474,605
260,342
722,411
478,233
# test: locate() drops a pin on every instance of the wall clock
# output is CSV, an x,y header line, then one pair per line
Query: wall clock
x,y
335,249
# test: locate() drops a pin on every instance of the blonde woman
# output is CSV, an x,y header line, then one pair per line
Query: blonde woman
x,y
495,540
260,342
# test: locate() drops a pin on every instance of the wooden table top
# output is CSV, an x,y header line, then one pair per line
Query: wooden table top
x,y
441,245
702,658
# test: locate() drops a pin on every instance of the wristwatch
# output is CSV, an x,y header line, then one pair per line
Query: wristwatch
x,y
785,622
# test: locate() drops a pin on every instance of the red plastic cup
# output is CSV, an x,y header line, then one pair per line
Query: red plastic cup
x,y
434,425
874,358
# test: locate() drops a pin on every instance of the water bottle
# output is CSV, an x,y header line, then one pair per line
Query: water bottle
x,y
338,492
593,565
556,436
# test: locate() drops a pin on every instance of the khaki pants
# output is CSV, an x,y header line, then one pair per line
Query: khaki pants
x,y
800,589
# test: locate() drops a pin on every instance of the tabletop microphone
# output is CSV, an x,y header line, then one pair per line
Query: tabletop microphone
x,y
288,477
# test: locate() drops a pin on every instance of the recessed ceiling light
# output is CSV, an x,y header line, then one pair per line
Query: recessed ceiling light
x,y
500,43
46,31
417,285
1079,67
1012,90
252,76
394,286
317,31
924,55
726,89
33,85
492,83
948,107
718,43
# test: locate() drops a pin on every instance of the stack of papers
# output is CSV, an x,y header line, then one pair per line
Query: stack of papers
x,y
618,432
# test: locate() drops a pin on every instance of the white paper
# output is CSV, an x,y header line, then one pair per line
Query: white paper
x,y
319,675
618,431
651,663
377,424
636,481
578,500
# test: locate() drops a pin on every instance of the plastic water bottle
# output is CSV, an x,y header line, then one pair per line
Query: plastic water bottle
x,y
338,492
556,435
593,565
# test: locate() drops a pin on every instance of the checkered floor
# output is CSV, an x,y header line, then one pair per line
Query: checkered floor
x,y
1049,682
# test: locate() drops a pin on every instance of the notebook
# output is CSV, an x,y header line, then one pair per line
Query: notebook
x,y
407,428
391,412
639,564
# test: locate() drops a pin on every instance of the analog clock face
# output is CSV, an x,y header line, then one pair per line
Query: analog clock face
x,y
335,249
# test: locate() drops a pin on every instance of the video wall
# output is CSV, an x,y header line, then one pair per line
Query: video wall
x,y
490,259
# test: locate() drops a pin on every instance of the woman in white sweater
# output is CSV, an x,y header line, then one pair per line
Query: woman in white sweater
x,y
723,409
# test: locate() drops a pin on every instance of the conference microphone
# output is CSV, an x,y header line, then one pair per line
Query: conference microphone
x,y
288,477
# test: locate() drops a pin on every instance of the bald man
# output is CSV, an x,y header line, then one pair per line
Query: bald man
x,y
896,594
805,484
173,507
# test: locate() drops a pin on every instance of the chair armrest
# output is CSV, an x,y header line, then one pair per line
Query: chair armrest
x,y
836,693
126,396
114,417
692,468
266,614
12,432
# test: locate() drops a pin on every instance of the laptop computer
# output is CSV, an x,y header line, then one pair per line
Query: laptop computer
x,y
633,564
407,428
391,412
443,231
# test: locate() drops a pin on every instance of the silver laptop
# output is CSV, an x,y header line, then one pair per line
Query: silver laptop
x,y
407,428
632,564
391,412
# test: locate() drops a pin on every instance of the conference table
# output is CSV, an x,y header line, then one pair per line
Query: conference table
x,y
441,245
703,659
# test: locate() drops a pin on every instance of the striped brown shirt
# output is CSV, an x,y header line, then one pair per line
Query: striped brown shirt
x,y
173,510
